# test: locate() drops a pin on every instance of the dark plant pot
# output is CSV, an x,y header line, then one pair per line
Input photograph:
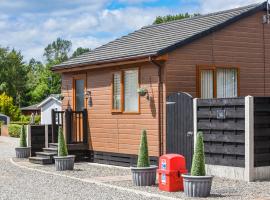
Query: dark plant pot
x,y
23,152
142,93
63,163
197,186
144,176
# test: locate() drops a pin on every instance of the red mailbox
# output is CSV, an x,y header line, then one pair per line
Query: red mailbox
x,y
171,166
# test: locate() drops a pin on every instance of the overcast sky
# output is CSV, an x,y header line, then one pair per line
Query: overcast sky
x,y
29,25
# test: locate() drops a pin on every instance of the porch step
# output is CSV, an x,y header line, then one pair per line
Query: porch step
x,y
53,145
40,160
48,155
50,150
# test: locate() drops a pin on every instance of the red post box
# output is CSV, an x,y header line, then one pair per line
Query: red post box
x,y
171,166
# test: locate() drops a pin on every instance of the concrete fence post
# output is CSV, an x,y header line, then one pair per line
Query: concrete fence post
x,y
195,129
249,138
28,130
46,136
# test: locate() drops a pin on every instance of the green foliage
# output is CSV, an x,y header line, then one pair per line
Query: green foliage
x,y
79,51
30,83
58,50
198,161
8,108
169,18
25,119
1,123
37,119
62,146
143,158
13,74
14,130
23,142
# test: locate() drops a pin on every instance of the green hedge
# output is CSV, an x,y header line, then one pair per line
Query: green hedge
x,y
14,130
1,123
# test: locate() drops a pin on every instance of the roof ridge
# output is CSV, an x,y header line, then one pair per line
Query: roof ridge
x,y
203,15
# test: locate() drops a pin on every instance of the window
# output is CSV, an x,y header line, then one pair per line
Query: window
x,y
117,92
125,97
217,82
79,95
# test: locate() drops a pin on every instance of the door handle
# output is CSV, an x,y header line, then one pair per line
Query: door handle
x,y
190,133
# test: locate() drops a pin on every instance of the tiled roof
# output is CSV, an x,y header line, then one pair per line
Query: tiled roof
x,y
159,39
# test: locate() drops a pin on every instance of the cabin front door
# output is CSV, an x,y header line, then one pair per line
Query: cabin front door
x,y
79,88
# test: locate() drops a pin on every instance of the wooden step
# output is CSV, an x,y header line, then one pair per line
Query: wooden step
x,y
40,160
50,150
53,145
48,155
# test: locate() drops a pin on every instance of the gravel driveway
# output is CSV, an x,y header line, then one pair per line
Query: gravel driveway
x,y
20,179
20,183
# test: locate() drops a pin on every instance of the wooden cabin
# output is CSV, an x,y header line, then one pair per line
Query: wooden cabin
x,y
223,54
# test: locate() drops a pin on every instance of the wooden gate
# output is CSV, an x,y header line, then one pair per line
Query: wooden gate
x,y
179,136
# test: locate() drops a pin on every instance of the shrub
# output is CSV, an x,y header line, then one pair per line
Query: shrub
x,y
14,130
8,108
198,161
1,123
37,119
18,123
23,137
25,119
143,158
62,146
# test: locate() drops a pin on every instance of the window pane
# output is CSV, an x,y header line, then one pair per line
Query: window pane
x,y
207,86
226,83
79,95
131,95
117,91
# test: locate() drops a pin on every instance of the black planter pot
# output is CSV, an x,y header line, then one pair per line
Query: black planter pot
x,y
197,186
23,152
63,163
144,176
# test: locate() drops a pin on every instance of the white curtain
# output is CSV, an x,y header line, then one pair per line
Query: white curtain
x,y
117,91
226,83
131,95
207,84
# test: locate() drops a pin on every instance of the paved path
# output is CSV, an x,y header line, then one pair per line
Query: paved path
x,y
22,183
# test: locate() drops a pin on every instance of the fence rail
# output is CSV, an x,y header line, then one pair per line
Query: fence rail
x,y
75,123
223,124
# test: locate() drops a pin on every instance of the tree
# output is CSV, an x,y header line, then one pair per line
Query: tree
x,y
62,146
198,161
168,18
13,74
8,108
143,157
23,142
57,51
79,51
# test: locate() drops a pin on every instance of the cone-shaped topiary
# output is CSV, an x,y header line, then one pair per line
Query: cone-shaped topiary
x,y
23,137
62,146
198,161
143,158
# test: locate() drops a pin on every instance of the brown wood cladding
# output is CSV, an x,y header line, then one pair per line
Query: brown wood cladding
x,y
118,133
239,45
244,45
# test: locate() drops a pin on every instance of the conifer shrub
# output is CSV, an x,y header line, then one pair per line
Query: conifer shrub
x,y
143,158
62,146
198,161
23,142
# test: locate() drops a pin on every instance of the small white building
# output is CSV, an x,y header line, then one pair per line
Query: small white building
x,y
46,106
